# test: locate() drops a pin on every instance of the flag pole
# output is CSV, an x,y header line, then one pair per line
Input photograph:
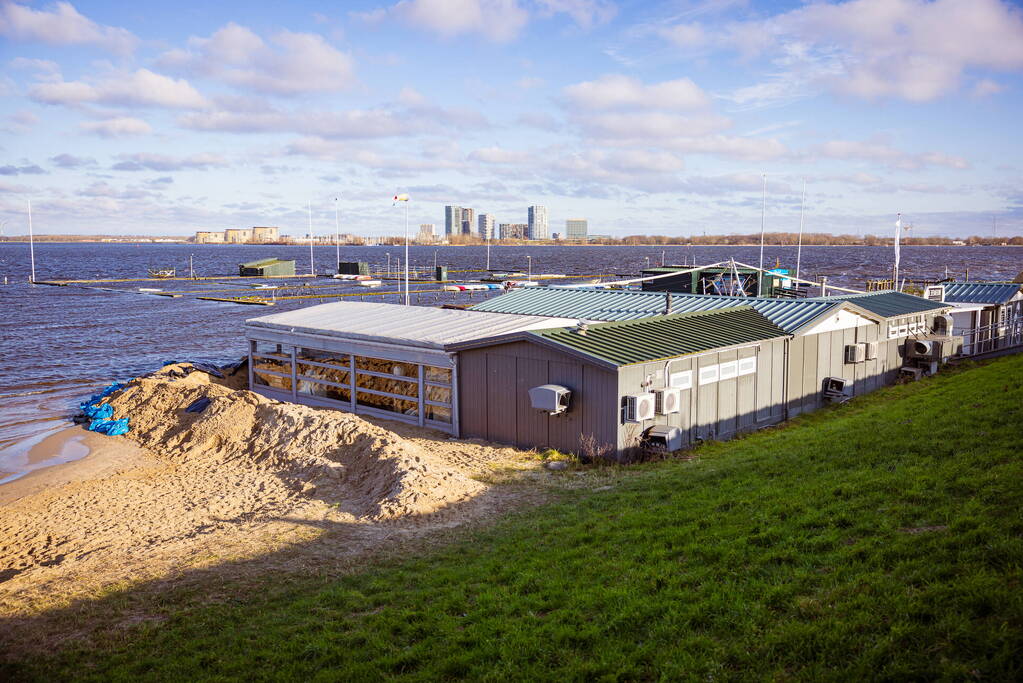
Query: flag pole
x,y
406,254
337,234
763,216
799,246
895,269
312,269
31,243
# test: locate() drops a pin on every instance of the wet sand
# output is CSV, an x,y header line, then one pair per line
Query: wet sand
x,y
72,455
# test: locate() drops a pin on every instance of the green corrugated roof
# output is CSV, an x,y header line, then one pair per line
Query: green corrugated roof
x,y
613,305
663,337
981,292
887,304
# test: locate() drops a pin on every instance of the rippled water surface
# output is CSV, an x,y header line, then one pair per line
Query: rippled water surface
x,y
57,344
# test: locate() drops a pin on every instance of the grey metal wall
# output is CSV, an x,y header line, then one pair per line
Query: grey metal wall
x,y
494,401
716,410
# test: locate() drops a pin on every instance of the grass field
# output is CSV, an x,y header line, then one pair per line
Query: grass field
x,y
882,539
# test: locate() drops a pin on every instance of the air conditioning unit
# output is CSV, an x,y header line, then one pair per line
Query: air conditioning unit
x,y
836,389
639,407
855,353
668,400
663,438
943,325
925,349
550,398
871,350
934,293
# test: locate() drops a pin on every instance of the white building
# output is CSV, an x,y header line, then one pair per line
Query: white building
x,y
576,229
537,222
486,226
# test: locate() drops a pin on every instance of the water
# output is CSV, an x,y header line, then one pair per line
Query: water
x,y
59,344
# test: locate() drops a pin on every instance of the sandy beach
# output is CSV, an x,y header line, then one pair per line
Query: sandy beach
x,y
244,479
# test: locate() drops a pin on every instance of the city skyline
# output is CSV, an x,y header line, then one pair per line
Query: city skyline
x,y
656,118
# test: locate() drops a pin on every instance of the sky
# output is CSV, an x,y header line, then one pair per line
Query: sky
x,y
663,118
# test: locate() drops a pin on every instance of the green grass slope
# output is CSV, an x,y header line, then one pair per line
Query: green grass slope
x,y
876,540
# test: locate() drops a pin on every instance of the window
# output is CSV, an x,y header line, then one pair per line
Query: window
x,y
338,359
390,386
438,394
324,391
387,367
439,413
432,374
389,403
263,348
318,372
267,379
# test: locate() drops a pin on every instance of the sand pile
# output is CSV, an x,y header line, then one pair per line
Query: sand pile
x,y
245,474
369,470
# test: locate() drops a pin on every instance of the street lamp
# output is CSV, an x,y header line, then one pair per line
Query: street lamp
x,y
388,264
529,261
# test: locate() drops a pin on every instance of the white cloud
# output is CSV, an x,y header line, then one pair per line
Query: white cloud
x,y
881,152
122,126
499,155
142,88
499,20
585,13
144,161
616,91
71,161
293,63
650,125
61,24
917,50
985,87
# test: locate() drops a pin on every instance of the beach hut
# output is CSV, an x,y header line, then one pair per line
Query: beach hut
x,y
383,360
988,315
662,382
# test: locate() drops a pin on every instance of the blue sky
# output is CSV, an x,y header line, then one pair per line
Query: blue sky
x,y
644,117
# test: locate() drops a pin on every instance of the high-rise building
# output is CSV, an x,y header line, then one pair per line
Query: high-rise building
x,y
576,229
513,231
468,221
426,232
452,220
486,226
537,223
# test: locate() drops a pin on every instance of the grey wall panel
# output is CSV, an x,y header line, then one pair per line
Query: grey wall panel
x,y
500,397
472,382
728,392
565,430
706,401
746,387
794,375
531,425
811,395
778,396
764,379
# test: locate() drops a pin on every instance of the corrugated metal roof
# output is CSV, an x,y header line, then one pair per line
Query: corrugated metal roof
x,y
608,304
663,337
981,292
395,324
887,304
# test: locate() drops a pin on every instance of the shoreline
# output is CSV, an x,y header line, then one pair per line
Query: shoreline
x,y
92,456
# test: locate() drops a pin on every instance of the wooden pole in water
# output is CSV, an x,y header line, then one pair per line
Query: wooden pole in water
x,y
31,243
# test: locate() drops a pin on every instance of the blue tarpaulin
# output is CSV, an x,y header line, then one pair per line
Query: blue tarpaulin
x,y
100,414
109,427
